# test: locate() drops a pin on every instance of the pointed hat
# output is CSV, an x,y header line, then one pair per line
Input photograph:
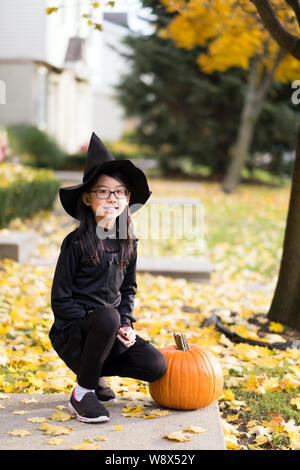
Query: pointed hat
x,y
99,160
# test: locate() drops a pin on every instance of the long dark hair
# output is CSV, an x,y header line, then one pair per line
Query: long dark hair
x,y
90,242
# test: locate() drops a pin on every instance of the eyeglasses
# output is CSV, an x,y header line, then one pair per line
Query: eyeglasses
x,y
105,193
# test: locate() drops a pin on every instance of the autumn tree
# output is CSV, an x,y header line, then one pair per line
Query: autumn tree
x,y
285,306
234,35
171,98
282,21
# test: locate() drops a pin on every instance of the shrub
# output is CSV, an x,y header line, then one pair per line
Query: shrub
x,y
34,147
24,191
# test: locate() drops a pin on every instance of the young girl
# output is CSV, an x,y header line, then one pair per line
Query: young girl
x,y
94,284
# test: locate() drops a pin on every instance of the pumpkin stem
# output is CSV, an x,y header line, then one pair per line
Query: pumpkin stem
x,y
181,341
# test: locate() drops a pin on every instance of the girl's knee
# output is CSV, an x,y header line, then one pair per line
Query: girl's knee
x,y
158,367
105,318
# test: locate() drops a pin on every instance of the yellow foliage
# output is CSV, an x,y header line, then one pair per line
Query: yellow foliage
x,y
233,33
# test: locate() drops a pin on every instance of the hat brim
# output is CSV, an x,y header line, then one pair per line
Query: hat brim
x,y
140,192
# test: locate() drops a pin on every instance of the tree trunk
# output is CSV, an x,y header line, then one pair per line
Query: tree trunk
x,y
256,91
285,306
241,146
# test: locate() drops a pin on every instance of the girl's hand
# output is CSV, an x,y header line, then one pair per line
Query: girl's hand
x,y
126,335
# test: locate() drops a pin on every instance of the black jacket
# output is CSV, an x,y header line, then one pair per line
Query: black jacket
x,y
79,285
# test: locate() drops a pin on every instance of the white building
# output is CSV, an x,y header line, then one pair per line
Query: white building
x,y
58,73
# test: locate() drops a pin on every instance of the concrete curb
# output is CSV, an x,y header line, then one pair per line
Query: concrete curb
x,y
136,433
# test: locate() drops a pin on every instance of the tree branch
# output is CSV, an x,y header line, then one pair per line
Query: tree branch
x,y
294,4
286,40
267,79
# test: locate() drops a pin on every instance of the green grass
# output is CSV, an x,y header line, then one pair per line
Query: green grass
x,y
261,406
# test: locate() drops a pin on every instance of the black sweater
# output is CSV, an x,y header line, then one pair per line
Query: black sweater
x,y
79,285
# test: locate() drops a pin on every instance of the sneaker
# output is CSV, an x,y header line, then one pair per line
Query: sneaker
x,y
105,394
88,409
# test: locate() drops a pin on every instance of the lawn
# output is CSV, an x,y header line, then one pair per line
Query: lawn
x,y
243,239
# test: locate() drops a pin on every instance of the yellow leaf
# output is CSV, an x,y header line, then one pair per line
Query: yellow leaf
x,y
60,416
159,412
261,439
262,434
227,394
85,445
195,429
277,327
19,432
37,419
296,402
232,417
29,400
118,428
55,430
177,436
294,440
236,404
289,381
55,442
50,10
132,410
19,412
100,438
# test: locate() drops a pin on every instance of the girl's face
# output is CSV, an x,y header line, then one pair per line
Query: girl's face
x,y
106,210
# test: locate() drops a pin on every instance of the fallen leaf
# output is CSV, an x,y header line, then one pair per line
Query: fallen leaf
x,y
294,440
19,412
37,419
86,444
55,430
277,327
29,400
227,394
159,412
55,442
132,411
232,417
177,436
19,432
100,438
195,429
60,416
118,428
296,402
262,434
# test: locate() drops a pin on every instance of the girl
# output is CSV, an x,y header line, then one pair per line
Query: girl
x,y
94,284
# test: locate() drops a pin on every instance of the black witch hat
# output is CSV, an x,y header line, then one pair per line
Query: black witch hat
x,y
99,160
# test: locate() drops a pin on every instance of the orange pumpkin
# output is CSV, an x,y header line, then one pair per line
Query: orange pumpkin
x,y
193,378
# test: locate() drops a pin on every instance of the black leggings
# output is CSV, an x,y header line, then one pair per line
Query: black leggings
x,y
104,355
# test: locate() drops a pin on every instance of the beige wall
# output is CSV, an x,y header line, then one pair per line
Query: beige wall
x,y
19,105
55,102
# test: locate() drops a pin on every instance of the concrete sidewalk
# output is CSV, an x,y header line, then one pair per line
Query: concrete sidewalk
x,y
137,433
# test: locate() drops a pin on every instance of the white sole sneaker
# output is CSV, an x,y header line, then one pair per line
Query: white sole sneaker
x,y
99,419
112,400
